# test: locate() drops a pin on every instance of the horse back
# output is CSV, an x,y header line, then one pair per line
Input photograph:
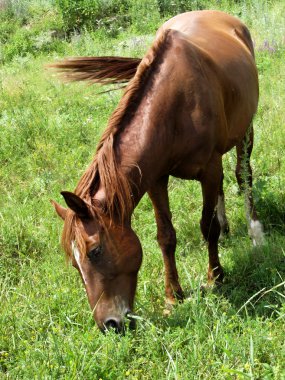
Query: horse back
x,y
204,27
216,50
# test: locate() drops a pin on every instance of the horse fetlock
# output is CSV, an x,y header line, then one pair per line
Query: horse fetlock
x,y
215,275
179,294
174,293
171,299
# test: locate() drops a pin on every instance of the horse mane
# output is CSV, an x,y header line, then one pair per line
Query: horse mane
x,y
104,168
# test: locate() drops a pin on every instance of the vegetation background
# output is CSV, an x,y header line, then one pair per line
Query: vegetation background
x,y
49,132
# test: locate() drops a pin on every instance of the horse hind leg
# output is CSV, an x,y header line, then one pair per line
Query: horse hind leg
x,y
166,237
210,226
244,179
221,211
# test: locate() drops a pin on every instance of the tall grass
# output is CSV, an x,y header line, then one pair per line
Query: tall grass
x,y
49,133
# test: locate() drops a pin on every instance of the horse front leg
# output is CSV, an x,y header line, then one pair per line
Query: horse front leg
x,y
166,237
209,223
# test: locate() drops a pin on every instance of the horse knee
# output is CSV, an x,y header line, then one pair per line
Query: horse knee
x,y
167,240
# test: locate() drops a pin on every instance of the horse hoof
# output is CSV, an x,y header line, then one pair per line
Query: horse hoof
x,y
169,305
167,312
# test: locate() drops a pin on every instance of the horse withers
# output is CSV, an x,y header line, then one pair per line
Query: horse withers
x,y
191,99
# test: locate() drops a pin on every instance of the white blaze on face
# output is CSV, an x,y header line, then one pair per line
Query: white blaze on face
x,y
76,255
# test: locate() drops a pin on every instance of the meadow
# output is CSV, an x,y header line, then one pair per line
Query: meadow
x,y
49,131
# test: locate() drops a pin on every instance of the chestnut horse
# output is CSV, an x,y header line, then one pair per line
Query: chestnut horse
x,y
191,99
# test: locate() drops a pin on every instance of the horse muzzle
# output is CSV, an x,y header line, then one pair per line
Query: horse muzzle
x,y
119,324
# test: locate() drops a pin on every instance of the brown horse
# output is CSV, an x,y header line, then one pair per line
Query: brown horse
x,y
190,100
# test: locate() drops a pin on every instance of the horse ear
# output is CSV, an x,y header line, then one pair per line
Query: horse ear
x,y
76,204
61,211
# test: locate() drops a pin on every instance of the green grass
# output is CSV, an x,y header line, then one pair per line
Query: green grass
x,y
49,133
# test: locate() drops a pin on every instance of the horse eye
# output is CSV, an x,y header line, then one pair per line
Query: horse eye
x,y
94,253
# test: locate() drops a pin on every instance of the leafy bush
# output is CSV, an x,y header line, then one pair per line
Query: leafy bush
x,y
167,8
28,27
145,17
13,9
6,29
110,15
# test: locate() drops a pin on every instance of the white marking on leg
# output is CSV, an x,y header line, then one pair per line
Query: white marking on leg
x,y
256,232
221,214
255,228
76,255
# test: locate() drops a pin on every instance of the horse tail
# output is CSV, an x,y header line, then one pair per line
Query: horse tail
x,y
102,70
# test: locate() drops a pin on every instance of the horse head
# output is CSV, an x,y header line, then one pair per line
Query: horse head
x,y
107,254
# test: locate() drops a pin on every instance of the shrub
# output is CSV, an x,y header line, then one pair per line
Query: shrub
x,y
145,17
28,27
110,15
174,7
13,9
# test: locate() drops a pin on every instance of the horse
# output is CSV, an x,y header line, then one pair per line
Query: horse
x,y
187,102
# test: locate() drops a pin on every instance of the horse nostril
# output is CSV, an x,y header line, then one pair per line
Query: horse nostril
x,y
113,324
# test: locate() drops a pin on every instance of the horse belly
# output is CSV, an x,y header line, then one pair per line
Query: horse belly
x,y
187,170
193,162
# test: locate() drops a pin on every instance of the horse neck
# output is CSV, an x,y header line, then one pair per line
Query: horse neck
x,y
140,143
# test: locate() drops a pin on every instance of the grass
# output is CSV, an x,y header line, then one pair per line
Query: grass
x,y
48,135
